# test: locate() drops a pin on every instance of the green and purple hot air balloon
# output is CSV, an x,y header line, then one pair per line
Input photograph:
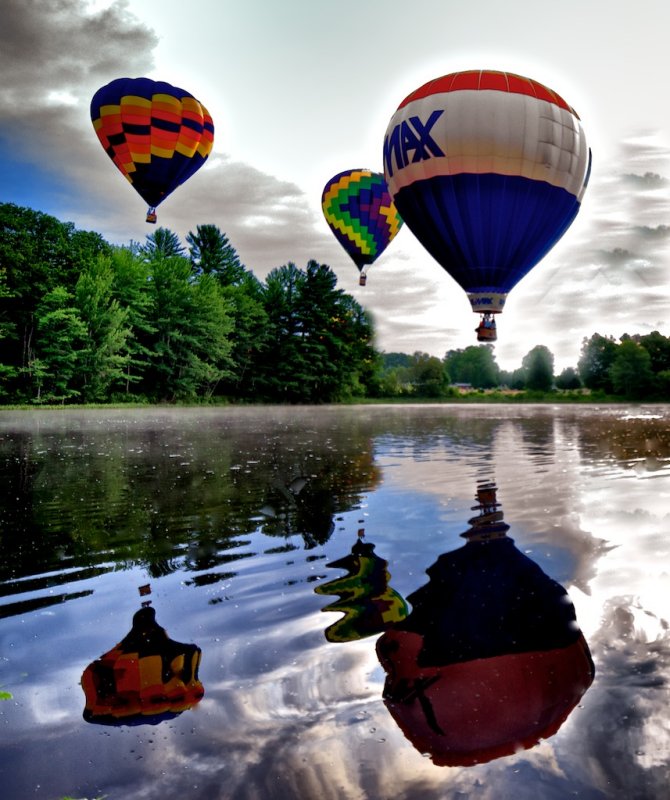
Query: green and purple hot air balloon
x,y
360,212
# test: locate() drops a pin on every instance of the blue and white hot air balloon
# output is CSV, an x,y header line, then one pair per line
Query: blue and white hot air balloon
x,y
488,170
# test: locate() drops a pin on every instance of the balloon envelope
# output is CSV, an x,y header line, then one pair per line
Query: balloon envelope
x,y
360,213
490,660
146,678
369,603
156,134
488,170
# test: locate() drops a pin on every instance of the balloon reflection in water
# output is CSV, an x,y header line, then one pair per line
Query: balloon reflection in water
x,y
369,604
491,659
146,678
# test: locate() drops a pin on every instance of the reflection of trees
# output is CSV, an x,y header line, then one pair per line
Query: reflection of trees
x,y
610,438
171,494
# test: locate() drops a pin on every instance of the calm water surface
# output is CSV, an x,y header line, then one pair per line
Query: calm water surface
x,y
322,629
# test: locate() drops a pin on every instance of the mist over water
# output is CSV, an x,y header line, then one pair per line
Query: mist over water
x,y
238,527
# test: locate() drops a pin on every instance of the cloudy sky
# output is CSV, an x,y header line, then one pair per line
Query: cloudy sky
x,y
302,89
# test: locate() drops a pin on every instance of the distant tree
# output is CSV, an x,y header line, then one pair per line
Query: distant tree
x,y
513,379
429,376
658,347
538,366
212,253
597,356
162,243
630,372
475,365
189,347
393,360
568,379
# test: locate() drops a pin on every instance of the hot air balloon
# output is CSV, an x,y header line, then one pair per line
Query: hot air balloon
x,y
359,210
157,135
488,170
146,678
490,660
369,604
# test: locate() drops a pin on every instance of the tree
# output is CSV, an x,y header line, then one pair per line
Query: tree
x,y
104,359
428,375
162,243
475,365
319,340
282,367
597,356
538,366
60,343
630,372
211,253
189,347
568,379
38,253
658,347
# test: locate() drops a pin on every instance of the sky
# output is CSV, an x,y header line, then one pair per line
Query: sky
x,y
304,89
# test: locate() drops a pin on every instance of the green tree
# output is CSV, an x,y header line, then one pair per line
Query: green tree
x,y
132,289
538,366
190,350
212,253
630,372
37,254
475,365
428,375
249,337
282,370
105,358
319,340
658,347
60,343
162,243
568,379
597,356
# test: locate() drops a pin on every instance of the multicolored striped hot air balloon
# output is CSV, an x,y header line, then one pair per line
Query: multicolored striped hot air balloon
x,y
157,135
359,210
488,170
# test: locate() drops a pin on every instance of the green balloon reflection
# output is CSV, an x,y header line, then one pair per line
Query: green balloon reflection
x,y
369,604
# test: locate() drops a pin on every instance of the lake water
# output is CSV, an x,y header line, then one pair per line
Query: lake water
x,y
450,667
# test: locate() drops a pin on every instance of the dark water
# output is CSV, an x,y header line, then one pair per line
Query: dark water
x,y
447,657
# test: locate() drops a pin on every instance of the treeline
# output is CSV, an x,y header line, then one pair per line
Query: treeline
x,y
633,368
82,321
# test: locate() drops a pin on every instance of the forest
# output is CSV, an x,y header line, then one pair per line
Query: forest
x,y
85,321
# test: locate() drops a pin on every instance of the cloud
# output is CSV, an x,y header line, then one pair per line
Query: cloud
x,y
51,49
607,274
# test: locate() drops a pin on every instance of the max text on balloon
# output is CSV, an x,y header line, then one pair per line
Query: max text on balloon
x,y
411,136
